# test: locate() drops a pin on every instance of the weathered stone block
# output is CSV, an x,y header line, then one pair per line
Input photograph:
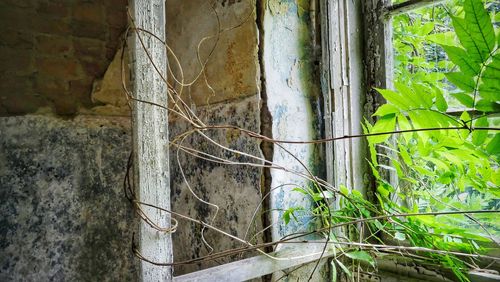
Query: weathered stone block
x,y
116,16
232,70
109,90
15,61
19,3
54,9
13,16
21,104
48,44
50,87
11,37
15,83
115,4
94,69
51,25
114,34
235,189
89,47
65,105
60,41
64,217
58,67
80,90
91,12
89,30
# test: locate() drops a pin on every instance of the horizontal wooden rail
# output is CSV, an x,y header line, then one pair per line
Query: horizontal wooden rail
x,y
410,5
296,254
292,254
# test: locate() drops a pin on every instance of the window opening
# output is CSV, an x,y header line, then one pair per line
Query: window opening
x,y
411,51
422,40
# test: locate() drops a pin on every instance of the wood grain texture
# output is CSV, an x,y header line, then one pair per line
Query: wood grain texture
x,y
150,136
345,94
410,5
291,255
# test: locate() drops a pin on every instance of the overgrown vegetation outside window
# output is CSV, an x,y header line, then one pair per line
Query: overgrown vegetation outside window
x,y
438,136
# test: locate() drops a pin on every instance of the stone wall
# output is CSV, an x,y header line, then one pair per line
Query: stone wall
x,y
58,176
64,214
293,99
228,95
51,52
294,103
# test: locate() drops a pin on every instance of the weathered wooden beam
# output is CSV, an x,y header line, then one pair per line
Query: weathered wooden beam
x,y
296,254
150,135
292,254
410,5
343,49
478,276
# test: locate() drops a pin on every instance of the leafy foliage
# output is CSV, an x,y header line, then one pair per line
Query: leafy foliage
x,y
443,169
444,58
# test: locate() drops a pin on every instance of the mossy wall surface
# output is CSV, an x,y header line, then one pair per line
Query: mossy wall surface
x,y
64,215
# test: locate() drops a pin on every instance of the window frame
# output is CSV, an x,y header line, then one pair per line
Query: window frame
x,y
357,57
376,64
345,101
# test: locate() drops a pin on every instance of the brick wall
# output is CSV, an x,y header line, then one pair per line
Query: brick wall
x,y
52,50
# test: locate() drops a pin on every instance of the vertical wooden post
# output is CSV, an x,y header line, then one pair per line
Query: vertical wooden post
x,y
150,135
343,86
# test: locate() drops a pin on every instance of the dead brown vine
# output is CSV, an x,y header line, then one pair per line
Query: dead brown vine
x,y
181,109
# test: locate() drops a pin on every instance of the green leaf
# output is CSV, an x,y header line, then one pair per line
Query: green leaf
x,y
361,256
465,117
384,124
479,136
322,195
487,106
426,28
464,99
395,98
490,87
462,81
443,38
447,177
286,216
290,213
463,34
494,146
423,94
440,102
344,268
490,92
479,25
383,191
333,269
475,31
404,154
460,58
344,190
400,236
386,109
300,190
404,124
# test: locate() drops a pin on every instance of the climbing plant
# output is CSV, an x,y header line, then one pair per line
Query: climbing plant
x,y
444,58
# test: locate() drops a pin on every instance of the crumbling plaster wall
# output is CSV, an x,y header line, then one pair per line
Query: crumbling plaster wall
x,y
64,217
228,92
290,63
293,99
73,169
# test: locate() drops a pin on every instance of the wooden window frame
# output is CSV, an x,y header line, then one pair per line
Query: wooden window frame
x,y
345,100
